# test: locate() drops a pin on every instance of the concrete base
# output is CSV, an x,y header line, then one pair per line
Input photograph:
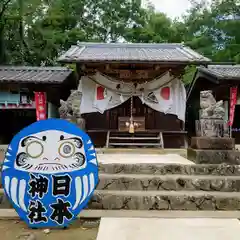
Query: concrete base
x,y
168,229
214,156
212,143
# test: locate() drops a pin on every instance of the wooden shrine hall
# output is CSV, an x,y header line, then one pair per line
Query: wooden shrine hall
x,y
132,94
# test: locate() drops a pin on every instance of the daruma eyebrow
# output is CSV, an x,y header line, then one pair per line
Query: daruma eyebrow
x,y
23,143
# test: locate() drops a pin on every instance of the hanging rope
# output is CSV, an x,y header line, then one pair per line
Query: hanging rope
x,y
131,126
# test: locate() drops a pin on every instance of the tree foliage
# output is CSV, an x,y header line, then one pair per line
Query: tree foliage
x,y
35,32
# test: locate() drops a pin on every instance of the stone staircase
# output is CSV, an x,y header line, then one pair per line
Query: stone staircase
x,y
164,187
167,187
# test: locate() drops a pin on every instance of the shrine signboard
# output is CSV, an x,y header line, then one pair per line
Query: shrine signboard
x,y
137,74
50,172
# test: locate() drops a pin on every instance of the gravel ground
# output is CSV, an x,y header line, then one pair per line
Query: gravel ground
x,y
12,229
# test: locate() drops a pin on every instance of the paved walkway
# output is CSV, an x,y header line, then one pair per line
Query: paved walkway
x,y
142,158
168,229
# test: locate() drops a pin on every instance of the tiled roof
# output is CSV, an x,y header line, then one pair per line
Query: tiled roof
x,y
222,71
26,74
132,52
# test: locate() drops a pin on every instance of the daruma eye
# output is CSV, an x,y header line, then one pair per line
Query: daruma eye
x,y
34,149
66,149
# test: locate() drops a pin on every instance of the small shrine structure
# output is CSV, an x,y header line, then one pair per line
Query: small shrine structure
x,y
130,94
217,80
18,85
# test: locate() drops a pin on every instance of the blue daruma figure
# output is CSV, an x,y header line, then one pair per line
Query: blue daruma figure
x,y
50,172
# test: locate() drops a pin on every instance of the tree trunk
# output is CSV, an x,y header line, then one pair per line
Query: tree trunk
x,y
2,45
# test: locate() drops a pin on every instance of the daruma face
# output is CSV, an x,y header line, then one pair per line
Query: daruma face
x,y
50,172
50,152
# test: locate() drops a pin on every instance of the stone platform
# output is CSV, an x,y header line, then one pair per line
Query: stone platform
x,y
138,158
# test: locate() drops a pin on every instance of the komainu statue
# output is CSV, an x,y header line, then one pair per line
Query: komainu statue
x,y
63,110
70,109
211,117
209,107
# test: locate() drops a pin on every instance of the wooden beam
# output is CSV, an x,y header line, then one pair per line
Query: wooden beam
x,y
133,72
125,66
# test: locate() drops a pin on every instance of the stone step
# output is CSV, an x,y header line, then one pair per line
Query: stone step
x,y
165,200
133,144
147,151
147,182
157,200
162,169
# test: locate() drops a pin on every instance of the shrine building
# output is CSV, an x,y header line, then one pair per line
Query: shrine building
x,y
130,94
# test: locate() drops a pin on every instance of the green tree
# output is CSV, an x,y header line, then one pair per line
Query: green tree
x,y
52,26
154,27
45,28
4,5
214,31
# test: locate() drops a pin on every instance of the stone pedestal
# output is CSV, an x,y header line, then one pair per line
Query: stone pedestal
x,y
212,144
213,156
211,128
213,150
224,143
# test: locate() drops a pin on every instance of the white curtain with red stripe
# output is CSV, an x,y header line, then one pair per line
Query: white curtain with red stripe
x,y
169,98
97,98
